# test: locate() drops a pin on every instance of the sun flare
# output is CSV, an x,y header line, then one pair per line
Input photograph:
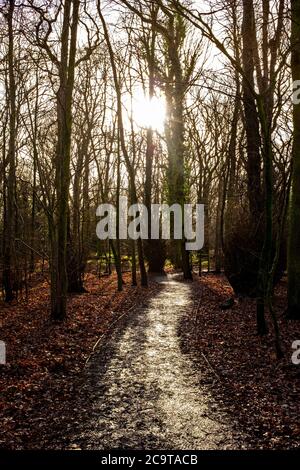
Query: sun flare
x,y
149,113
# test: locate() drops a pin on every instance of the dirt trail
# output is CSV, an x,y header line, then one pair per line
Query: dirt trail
x,y
145,391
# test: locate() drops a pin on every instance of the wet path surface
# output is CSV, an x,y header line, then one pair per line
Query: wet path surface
x,y
145,392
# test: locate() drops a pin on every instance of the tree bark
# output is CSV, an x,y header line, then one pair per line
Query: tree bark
x,y
64,117
251,118
11,161
175,133
294,215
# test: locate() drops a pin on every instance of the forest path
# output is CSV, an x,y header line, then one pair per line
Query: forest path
x,y
144,390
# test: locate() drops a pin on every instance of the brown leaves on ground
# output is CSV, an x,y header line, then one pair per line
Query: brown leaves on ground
x,y
240,368
40,396
44,360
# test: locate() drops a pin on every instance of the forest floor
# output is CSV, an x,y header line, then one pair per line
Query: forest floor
x,y
46,360
239,368
173,372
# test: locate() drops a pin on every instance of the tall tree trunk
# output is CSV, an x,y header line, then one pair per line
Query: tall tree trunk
x,y
294,215
117,248
75,261
219,228
64,117
35,158
251,118
266,254
244,240
86,218
33,209
154,250
232,163
175,136
11,159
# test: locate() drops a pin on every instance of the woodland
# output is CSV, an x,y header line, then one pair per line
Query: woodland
x,y
164,102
